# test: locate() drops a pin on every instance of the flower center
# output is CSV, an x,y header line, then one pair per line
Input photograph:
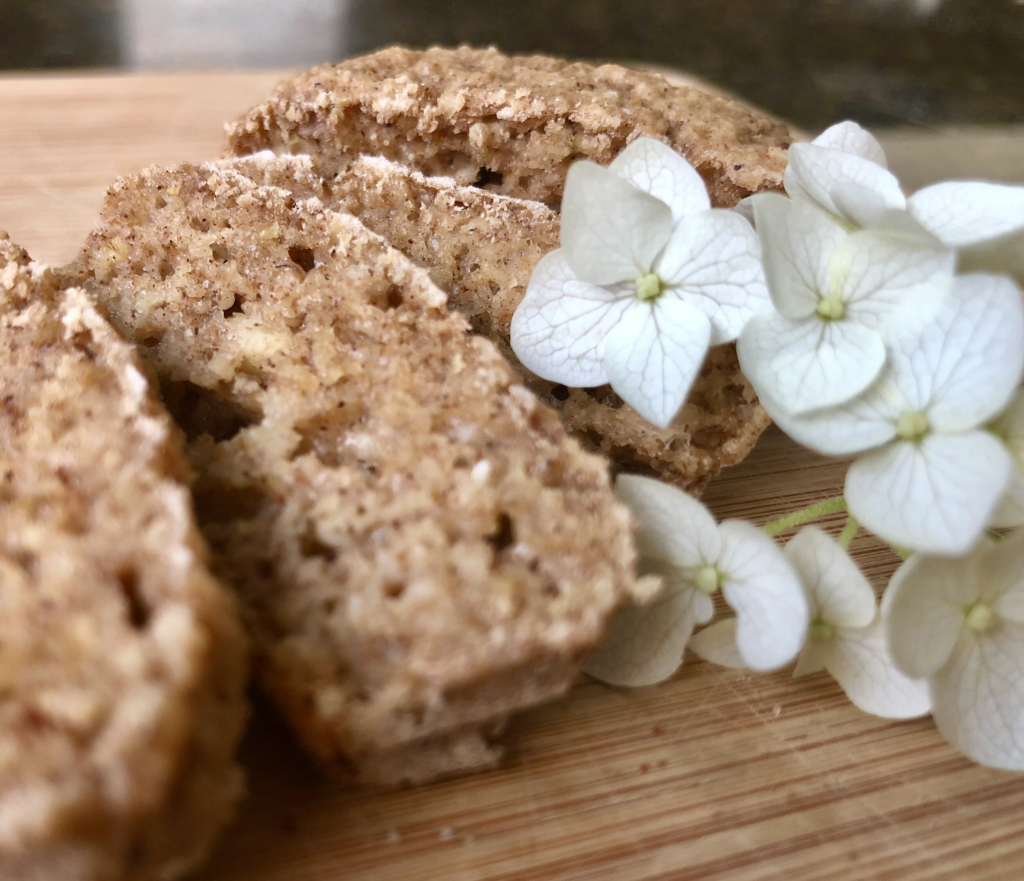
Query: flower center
x,y
831,308
707,579
913,426
979,617
820,631
648,287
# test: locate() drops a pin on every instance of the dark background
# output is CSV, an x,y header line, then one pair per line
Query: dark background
x,y
882,62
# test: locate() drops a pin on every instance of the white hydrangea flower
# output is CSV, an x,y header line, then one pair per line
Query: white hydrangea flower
x,y
930,475
845,636
839,297
647,278
983,221
677,538
960,624
843,172
1009,427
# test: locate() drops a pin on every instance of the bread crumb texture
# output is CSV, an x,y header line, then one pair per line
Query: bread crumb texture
x,y
482,249
419,546
511,125
122,661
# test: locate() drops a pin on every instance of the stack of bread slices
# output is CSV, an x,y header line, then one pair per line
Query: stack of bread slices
x,y
349,471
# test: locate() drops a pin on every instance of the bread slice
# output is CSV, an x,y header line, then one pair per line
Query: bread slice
x,y
482,249
122,661
511,125
420,547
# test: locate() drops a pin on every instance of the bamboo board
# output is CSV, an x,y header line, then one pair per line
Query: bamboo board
x,y
717,774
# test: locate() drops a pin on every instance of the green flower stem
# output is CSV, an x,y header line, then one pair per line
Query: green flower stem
x,y
806,515
849,531
902,553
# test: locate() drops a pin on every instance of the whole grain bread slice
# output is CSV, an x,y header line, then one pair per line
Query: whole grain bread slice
x,y
511,125
122,661
482,248
419,546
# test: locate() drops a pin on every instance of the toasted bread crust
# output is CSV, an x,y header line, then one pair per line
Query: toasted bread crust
x,y
122,661
510,124
482,249
419,546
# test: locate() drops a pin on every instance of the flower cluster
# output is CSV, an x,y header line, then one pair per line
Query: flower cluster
x,y
873,325
877,348
647,278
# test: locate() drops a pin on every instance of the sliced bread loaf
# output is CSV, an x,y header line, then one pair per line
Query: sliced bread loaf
x,y
122,661
419,547
482,248
511,125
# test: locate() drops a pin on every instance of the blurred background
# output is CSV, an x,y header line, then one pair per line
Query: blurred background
x,y
93,89
882,62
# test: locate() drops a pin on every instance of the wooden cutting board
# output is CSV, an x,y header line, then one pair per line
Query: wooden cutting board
x,y
717,774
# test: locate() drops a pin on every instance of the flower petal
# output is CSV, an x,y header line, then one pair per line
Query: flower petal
x,y
771,607
797,242
713,262
810,363
559,328
672,527
895,283
717,645
978,697
1009,427
848,137
964,366
861,205
645,644
861,424
967,213
653,355
923,613
814,172
1003,255
860,662
1000,572
611,229
745,209
935,496
659,170
838,592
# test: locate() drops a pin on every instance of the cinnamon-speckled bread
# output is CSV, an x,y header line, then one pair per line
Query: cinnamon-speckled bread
x,y
419,546
509,124
122,661
482,248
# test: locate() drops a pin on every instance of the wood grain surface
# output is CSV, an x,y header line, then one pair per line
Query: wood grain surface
x,y
717,774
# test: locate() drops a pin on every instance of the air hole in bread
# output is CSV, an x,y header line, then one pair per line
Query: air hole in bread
x,y
199,224
202,411
151,340
304,258
504,534
219,252
560,393
394,297
393,590
488,178
84,342
323,434
221,503
234,308
138,611
311,545
481,324
605,396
